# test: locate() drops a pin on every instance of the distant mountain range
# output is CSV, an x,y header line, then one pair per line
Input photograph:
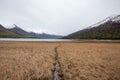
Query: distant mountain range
x,y
108,28
17,32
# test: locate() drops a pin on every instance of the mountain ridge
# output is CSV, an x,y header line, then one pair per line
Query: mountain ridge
x,y
25,34
108,28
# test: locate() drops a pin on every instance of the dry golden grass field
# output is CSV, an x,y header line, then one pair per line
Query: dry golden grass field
x,y
90,61
78,61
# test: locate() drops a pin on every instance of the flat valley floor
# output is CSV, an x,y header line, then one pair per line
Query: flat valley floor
x,y
78,61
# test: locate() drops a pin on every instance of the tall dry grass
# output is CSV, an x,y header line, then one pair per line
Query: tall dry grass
x,y
90,61
26,61
78,61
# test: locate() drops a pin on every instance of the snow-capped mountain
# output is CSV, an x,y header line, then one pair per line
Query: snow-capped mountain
x,y
108,28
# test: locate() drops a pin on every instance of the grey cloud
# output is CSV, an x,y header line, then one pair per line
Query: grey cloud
x,y
56,16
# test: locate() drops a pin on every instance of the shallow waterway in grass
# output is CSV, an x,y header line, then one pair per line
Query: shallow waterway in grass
x,y
57,74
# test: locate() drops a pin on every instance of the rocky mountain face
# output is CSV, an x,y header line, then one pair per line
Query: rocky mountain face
x,y
2,28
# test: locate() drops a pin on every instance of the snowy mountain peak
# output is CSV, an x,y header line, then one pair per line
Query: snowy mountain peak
x,y
15,26
113,18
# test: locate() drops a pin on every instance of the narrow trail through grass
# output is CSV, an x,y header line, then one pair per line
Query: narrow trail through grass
x,y
57,74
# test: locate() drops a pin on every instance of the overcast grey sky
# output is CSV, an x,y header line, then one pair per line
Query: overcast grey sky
x,y
56,16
